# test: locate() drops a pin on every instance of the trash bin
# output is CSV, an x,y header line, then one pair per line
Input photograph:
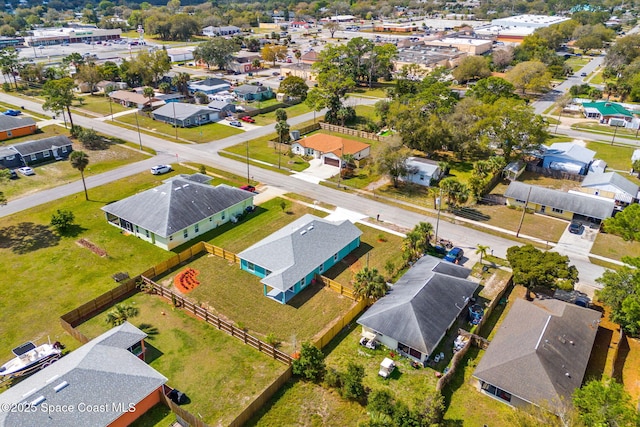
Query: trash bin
x,y
177,397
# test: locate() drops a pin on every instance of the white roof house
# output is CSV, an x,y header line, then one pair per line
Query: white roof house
x,y
624,190
421,171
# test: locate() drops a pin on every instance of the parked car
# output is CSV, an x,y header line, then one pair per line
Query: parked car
x,y
27,171
249,188
576,227
583,74
12,174
247,119
236,124
454,255
275,73
12,113
160,169
229,118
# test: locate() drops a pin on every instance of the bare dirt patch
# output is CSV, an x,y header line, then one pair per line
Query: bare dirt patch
x,y
92,247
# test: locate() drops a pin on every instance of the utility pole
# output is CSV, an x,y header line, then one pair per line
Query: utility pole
x,y
138,125
615,130
524,211
438,203
175,121
248,177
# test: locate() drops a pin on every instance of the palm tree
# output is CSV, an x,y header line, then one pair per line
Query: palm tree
x,y
368,283
181,82
80,160
411,246
282,129
120,314
298,55
148,93
482,250
425,229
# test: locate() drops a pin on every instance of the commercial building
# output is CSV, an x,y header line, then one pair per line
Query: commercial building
x,y
466,45
77,34
515,28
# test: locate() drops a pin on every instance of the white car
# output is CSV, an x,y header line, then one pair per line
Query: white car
x,y
160,169
27,171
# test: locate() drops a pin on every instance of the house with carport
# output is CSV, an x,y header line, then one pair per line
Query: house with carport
x,y
288,260
539,354
105,383
330,149
567,157
13,127
185,115
179,210
420,308
559,204
209,86
131,99
422,171
611,185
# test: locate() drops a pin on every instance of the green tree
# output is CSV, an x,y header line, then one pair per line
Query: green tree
x,y
605,403
80,160
218,51
332,27
625,224
59,96
490,89
368,283
90,139
148,92
294,87
381,402
120,314
10,64
621,293
455,191
181,82
89,74
529,75
201,97
534,268
310,365
471,68
392,161
281,115
62,220
352,382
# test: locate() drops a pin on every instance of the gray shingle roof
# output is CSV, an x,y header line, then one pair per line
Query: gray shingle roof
x,y
298,248
422,305
195,177
181,110
253,89
39,145
218,105
570,150
98,373
537,345
176,205
599,180
576,203
10,122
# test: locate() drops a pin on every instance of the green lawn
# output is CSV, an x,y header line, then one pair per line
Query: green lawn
x,y
611,246
617,157
603,129
199,134
259,150
53,174
380,91
99,104
576,62
292,111
50,274
219,373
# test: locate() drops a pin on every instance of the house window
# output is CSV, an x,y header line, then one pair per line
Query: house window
x,y
321,268
309,151
521,201
170,238
147,232
267,272
187,122
335,257
197,228
495,391
10,157
46,154
186,233
136,228
34,157
302,282
251,266
556,210
223,215
421,177
9,133
64,149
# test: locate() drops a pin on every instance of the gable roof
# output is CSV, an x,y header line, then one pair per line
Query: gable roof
x,y
608,108
39,145
422,305
541,350
332,144
219,105
613,179
136,98
100,372
581,204
571,151
182,110
10,122
298,248
253,89
210,82
311,56
176,205
424,165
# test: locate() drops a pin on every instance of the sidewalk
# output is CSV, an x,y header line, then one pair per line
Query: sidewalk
x,y
111,117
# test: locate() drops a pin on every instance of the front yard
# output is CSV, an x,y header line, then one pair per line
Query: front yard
x,y
218,373
611,246
99,104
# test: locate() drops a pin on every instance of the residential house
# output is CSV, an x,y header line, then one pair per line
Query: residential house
x,y
185,115
104,382
222,109
611,185
539,354
12,127
37,151
558,203
605,112
568,157
209,86
108,86
242,61
288,260
228,30
180,54
177,211
171,97
422,171
253,92
304,71
330,148
420,308
132,99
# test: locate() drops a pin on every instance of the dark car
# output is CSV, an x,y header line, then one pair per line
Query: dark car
x,y
249,188
576,227
12,113
454,255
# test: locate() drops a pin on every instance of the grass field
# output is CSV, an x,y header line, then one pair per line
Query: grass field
x,y
292,111
259,150
99,104
199,134
617,157
53,174
218,373
614,247
576,62
603,129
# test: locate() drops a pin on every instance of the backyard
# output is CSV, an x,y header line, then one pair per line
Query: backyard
x,y
218,373
99,104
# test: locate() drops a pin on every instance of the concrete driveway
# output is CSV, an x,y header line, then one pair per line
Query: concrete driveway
x,y
316,172
576,244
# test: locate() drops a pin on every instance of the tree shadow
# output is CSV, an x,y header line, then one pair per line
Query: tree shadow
x,y
268,406
598,358
27,237
149,329
74,230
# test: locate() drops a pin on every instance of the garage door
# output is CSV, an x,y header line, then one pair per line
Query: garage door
x,y
332,162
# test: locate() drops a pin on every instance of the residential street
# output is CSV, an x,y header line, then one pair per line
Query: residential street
x,y
169,152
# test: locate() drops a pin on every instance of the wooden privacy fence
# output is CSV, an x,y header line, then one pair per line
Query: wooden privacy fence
x,y
222,253
340,324
353,132
554,173
337,287
264,397
221,324
181,413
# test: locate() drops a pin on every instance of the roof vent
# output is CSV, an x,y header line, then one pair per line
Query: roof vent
x,y
303,232
310,228
37,401
60,386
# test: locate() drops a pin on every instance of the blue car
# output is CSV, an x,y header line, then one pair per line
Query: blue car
x,y
12,113
454,255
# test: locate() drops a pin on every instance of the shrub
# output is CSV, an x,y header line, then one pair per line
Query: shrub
x,y
62,220
6,87
381,402
272,340
333,378
310,365
203,169
352,386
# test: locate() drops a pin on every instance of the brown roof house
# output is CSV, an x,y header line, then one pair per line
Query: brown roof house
x,y
330,148
539,355
131,99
